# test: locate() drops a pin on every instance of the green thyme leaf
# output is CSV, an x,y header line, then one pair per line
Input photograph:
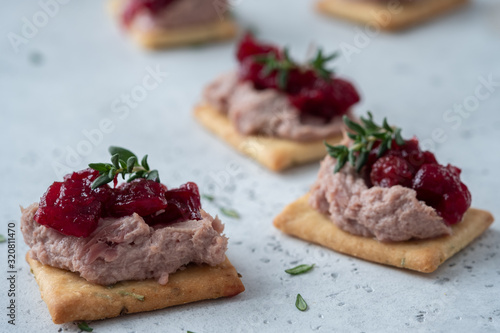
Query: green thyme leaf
x,y
101,167
124,154
85,327
300,303
2,239
101,180
230,212
115,160
131,163
153,175
136,296
300,269
144,162
123,164
399,139
366,135
354,126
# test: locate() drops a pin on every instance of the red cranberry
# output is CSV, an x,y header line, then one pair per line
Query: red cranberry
x,y
252,71
441,188
248,47
135,6
311,94
140,196
72,207
390,171
183,204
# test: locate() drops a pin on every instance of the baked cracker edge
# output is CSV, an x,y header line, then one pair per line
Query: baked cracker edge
x,y
70,297
406,16
300,220
273,153
223,29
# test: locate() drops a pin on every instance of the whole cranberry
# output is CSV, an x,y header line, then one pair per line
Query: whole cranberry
x,y
248,47
389,171
183,204
440,187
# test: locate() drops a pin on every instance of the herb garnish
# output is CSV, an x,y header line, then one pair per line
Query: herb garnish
x,y
300,269
230,212
85,327
365,135
284,64
123,162
318,64
136,296
300,303
273,63
226,211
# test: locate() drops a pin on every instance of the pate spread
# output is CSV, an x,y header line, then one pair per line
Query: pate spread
x,y
266,112
388,214
173,14
127,248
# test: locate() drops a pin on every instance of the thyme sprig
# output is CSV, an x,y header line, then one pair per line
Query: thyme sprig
x,y
364,137
125,163
284,64
319,62
274,63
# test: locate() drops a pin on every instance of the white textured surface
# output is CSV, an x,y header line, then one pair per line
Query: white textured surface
x,y
65,79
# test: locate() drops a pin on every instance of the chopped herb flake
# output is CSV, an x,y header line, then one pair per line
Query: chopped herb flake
x,y
230,212
208,197
126,293
300,269
85,327
300,303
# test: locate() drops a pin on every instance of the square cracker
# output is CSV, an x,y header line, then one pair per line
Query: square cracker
x,y
70,297
302,221
397,15
223,29
274,153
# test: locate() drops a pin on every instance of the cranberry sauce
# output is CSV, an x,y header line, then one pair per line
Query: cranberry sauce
x,y
438,186
311,93
133,7
74,209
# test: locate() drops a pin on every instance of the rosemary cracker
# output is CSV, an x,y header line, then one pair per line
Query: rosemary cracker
x,y
301,220
391,15
69,297
273,153
222,29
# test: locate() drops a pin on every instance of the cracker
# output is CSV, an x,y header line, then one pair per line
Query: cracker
x,y
275,154
69,297
393,15
301,220
222,29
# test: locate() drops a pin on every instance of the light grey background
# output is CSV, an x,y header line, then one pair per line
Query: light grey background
x,y
65,79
